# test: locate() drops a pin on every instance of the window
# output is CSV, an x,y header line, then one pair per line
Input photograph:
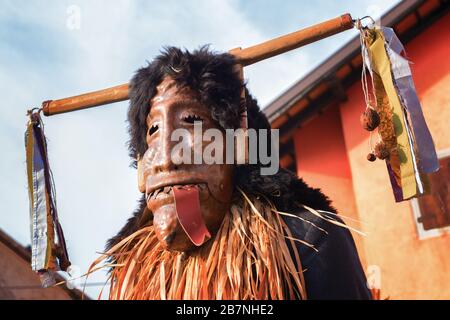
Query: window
x,y
432,211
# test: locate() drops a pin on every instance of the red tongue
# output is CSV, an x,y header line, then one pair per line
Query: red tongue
x,y
187,205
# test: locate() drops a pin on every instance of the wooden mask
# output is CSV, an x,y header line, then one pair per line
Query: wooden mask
x,y
188,201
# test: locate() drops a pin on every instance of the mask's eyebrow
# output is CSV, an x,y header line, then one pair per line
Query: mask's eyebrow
x,y
153,113
186,103
192,107
181,104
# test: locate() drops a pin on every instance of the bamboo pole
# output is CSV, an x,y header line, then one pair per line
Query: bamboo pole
x,y
245,57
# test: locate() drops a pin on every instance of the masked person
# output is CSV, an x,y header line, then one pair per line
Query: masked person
x,y
220,230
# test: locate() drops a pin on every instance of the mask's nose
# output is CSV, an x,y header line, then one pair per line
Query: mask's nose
x,y
162,161
172,146
157,158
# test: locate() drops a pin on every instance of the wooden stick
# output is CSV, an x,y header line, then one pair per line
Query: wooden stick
x,y
87,100
245,57
294,40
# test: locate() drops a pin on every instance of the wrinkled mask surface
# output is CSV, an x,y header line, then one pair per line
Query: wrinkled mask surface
x,y
188,201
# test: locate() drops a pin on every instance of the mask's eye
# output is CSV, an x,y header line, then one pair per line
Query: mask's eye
x,y
192,118
152,129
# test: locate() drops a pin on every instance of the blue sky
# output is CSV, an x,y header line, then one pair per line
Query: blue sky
x,y
42,58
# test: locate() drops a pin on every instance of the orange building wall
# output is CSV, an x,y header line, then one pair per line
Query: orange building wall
x,y
322,162
19,282
410,268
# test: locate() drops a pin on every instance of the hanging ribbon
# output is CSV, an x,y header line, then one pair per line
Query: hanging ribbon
x,y
426,152
48,247
405,141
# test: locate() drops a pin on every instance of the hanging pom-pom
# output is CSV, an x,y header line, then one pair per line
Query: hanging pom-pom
x,y
371,157
370,119
381,151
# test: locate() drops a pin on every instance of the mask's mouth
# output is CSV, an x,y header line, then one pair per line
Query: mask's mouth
x,y
167,190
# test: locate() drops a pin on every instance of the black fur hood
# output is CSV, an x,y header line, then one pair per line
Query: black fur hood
x,y
214,77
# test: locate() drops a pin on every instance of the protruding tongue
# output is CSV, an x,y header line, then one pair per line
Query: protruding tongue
x,y
187,205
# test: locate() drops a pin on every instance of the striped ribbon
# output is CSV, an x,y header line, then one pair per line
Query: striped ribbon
x,y
48,252
412,149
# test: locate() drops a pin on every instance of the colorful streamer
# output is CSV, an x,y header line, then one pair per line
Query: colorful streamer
x,y
405,141
48,253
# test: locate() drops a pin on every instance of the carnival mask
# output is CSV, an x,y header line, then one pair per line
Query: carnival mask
x,y
188,201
